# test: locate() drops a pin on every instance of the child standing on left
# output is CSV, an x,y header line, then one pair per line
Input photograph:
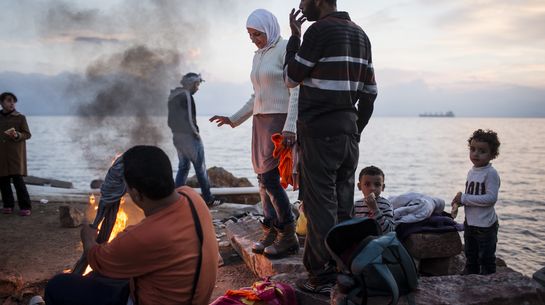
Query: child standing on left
x,y
13,134
478,200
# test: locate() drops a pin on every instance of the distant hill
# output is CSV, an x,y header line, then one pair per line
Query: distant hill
x,y
38,94
41,94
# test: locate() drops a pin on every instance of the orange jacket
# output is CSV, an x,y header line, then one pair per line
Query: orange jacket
x,y
285,165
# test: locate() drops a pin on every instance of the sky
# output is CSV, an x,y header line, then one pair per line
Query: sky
x,y
474,57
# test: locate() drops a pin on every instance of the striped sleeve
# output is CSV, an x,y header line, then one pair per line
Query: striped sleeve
x,y
384,216
367,96
301,59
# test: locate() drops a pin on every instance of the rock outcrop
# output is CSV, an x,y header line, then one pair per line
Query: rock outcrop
x,y
70,217
436,253
219,177
502,288
243,234
10,283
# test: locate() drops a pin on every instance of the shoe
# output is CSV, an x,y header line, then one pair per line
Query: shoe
x,y
214,202
308,286
267,239
25,212
286,243
7,210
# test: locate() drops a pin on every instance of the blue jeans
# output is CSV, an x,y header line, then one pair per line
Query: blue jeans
x,y
92,289
480,248
191,150
276,204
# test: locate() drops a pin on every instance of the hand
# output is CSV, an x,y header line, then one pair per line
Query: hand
x,y
289,138
295,23
222,120
12,133
458,198
88,236
371,202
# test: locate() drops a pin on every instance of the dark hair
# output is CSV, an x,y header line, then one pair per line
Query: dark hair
x,y
331,2
371,171
148,170
4,95
487,136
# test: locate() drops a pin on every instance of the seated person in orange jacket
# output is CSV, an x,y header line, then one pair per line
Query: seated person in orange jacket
x,y
161,257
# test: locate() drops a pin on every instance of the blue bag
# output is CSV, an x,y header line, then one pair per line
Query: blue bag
x,y
371,264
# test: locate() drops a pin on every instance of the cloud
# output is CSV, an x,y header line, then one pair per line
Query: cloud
x,y
95,40
495,22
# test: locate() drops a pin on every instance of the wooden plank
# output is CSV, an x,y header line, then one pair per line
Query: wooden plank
x,y
33,180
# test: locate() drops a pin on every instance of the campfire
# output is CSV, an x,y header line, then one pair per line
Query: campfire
x,y
120,222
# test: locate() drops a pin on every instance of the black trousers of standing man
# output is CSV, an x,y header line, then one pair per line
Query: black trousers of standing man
x,y
328,165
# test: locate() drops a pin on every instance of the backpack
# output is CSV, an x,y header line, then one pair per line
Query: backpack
x,y
371,264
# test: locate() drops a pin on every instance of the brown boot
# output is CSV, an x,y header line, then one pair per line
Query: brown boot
x,y
267,239
285,244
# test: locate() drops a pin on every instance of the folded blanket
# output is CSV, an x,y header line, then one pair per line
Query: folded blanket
x,y
414,207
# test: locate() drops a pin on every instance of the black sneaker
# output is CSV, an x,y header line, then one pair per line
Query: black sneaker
x,y
308,286
214,203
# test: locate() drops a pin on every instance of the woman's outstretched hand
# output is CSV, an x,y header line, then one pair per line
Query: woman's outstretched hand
x,y
221,120
295,22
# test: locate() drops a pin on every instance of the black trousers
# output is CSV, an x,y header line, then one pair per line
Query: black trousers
x,y
480,248
20,189
328,166
92,289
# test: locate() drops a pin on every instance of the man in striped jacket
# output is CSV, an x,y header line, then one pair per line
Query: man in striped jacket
x,y
334,69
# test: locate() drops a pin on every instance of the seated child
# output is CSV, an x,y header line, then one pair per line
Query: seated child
x,y
371,184
478,200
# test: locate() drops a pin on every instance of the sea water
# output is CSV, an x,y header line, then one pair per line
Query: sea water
x,y
426,155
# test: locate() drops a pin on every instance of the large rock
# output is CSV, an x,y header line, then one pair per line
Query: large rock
x,y
504,287
219,177
243,234
10,283
70,217
433,245
539,276
442,265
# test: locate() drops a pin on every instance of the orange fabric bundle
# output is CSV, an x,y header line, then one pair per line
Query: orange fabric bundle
x,y
285,165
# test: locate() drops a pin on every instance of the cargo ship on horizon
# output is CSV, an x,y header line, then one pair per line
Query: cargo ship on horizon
x,y
448,114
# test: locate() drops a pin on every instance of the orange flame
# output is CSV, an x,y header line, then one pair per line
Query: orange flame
x,y
120,222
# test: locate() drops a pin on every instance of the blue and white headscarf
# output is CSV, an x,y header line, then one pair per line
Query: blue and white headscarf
x,y
264,21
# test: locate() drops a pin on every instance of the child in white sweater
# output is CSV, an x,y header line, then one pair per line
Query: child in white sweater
x,y
478,200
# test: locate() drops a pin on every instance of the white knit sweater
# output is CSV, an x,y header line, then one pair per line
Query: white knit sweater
x,y
480,196
270,92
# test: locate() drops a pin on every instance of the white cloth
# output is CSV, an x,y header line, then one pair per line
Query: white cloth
x,y
480,196
415,207
270,92
265,22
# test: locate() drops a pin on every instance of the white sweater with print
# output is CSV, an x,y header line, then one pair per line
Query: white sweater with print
x,y
270,92
480,196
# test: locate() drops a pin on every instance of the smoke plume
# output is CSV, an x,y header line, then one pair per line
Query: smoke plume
x,y
143,45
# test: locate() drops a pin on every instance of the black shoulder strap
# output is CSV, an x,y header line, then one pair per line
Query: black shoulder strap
x,y
198,228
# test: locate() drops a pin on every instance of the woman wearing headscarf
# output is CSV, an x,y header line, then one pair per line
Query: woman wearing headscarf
x,y
274,110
